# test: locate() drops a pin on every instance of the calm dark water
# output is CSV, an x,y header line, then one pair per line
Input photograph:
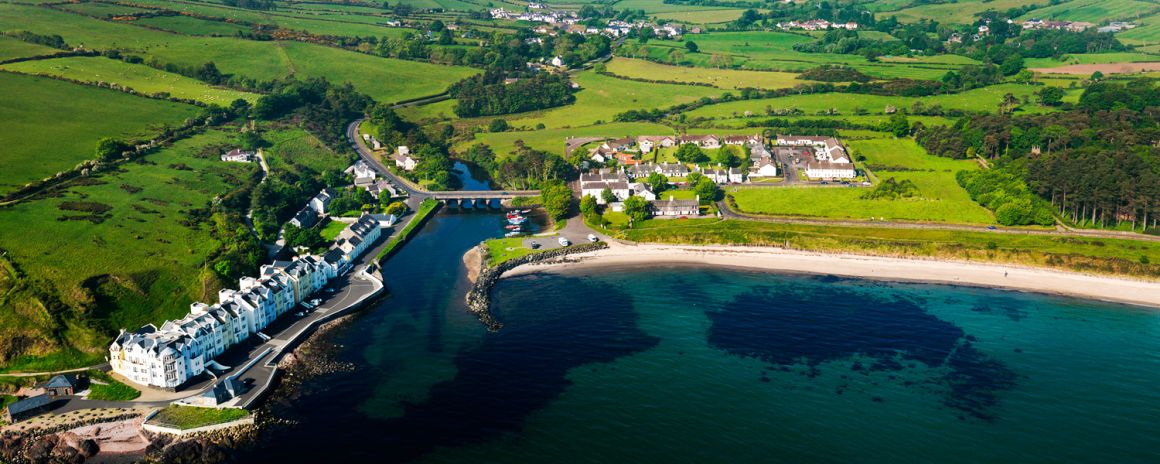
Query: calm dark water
x,y
690,364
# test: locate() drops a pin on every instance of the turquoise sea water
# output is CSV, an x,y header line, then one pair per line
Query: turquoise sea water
x,y
661,363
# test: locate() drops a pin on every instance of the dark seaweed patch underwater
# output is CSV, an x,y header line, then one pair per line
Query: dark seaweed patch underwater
x,y
789,326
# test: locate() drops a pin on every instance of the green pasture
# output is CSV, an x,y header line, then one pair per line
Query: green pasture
x,y
721,78
192,26
137,263
101,10
295,150
442,110
601,98
143,79
960,12
701,16
50,125
1092,58
985,99
1092,11
14,48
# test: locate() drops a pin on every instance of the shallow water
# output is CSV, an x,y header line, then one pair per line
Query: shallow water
x,y
693,364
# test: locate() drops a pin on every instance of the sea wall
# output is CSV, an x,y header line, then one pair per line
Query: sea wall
x,y
479,297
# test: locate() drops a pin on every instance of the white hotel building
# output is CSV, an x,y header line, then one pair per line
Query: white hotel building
x,y
170,356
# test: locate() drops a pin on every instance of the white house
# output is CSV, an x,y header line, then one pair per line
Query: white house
x,y
672,207
765,169
647,142
406,162
362,173
321,201
642,190
558,62
703,141
238,155
736,175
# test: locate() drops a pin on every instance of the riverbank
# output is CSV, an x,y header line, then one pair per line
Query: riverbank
x,y
1137,292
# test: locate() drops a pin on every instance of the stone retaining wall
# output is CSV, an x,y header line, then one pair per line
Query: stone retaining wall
x,y
479,297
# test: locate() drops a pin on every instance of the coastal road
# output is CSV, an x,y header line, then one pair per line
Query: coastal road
x,y
728,213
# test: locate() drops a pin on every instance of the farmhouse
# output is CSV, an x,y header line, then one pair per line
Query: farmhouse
x,y
238,155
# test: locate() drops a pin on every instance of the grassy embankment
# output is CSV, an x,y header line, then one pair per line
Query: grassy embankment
x,y
104,387
426,209
190,417
1097,255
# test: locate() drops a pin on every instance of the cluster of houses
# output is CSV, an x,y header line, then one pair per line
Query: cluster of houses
x,y
829,159
1116,26
366,178
404,160
374,143
817,25
629,182
315,209
624,151
569,22
180,350
1070,26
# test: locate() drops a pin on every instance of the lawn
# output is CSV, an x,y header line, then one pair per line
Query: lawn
x,y
191,417
104,387
721,78
15,48
500,250
140,262
143,79
960,12
440,111
1093,11
986,99
50,125
701,16
1112,256
332,229
601,98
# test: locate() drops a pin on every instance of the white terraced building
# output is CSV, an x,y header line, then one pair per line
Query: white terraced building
x,y
170,356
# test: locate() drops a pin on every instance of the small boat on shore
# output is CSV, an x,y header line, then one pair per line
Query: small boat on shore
x,y
513,227
517,220
514,233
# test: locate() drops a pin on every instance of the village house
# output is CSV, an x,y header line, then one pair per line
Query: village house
x,y
676,208
238,155
703,141
742,139
403,159
321,201
763,169
646,142
626,159
830,170
362,173
65,385
673,169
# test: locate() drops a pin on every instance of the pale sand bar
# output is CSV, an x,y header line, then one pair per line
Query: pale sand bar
x,y
1120,290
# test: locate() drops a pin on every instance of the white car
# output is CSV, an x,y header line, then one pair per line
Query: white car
x,y
564,242
593,238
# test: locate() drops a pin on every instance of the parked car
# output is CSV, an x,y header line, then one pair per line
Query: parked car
x,y
593,238
992,228
534,245
564,242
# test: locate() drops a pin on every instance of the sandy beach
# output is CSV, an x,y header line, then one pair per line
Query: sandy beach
x,y
1137,292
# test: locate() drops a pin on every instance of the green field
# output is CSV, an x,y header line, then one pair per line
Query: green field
x,y
50,125
293,149
101,10
701,16
985,99
133,264
138,77
773,51
14,48
439,111
385,79
940,198
601,98
192,26
961,12
720,78
1093,58
104,387
552,140
1093,11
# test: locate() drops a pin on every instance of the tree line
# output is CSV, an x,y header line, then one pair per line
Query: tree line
x,y
490,94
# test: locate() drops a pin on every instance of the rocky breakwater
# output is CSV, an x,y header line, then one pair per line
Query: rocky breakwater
x,y
479,297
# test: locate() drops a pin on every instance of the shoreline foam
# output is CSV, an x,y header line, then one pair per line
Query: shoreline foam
x,y
1007,277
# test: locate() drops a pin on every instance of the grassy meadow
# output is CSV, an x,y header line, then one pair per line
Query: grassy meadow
x,y
139,77
130,259
552,140
720,78
601,98
15,48
51,125
192,26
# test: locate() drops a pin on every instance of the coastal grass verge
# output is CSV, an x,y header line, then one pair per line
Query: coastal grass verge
x,y
426,209
105,388
192,417
500,250
1134,258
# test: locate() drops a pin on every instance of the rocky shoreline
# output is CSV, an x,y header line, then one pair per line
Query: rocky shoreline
x,y
479,296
